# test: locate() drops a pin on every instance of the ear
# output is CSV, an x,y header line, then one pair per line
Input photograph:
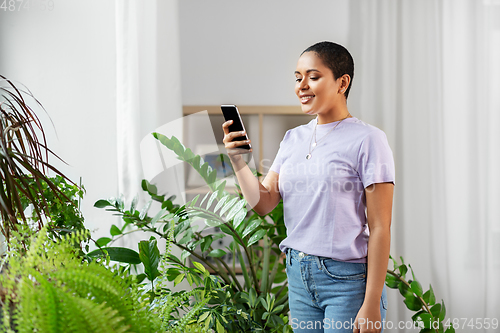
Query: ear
x,y
345,80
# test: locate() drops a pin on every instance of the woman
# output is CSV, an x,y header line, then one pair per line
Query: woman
x,y
328,172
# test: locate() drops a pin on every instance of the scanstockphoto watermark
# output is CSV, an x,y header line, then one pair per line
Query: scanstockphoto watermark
x,y
308,185
456,323
328,323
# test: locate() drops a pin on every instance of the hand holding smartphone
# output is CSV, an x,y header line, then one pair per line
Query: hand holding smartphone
x,y
235,135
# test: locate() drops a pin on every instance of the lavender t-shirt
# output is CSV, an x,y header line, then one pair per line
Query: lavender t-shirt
x,y
323,197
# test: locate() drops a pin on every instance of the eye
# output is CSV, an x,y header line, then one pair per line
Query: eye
x,y
298,79
314,78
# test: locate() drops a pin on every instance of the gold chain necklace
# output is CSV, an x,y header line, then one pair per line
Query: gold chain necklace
x,y
314,145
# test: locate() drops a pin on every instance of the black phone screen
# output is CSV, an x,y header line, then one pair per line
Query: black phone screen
x,y
231,113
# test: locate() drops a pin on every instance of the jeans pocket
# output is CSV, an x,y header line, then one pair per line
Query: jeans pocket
x,y
384,303
287,260
345,271
383,299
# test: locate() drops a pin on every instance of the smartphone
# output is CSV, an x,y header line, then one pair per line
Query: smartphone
x,y
231,113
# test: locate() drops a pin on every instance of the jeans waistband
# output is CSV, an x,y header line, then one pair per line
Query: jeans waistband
x,y
302,256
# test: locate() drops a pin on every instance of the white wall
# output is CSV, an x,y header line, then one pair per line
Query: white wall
x,y
245,52
66,57
231,52
241,52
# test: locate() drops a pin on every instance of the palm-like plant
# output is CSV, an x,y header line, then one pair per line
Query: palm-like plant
x,y
23,154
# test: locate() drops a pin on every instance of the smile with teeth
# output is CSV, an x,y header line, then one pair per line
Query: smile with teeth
x,y
305,99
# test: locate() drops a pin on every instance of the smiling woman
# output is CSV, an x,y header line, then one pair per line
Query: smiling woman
x,y
332,271
319,89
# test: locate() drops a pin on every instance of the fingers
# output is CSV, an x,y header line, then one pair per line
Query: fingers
x,y
238,151
225,126
231,135
233,146
361,325
229,141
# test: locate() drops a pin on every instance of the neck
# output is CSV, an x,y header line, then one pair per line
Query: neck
x,y
333,115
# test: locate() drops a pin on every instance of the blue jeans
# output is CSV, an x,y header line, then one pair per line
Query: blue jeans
x,y
325,295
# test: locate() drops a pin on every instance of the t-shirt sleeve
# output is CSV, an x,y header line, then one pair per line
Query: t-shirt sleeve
x,y
278,160
375,160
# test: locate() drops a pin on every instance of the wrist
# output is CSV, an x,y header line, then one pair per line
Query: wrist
x,y
238,162
371,303
235,158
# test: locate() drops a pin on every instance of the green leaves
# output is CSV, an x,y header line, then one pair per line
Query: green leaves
x,y
423,319
391,281
256,237
56,291
239,217
205,244
254,224
228,205
413,303
102,203
217,253
115,231
439,311
404,289
416,288
120,254
208,174
24,166
429,297
152,190
429,315
103,241
150,257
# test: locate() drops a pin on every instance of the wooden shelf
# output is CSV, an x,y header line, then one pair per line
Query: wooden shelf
x,y
247,109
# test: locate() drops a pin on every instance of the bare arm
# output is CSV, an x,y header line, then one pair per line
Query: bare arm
x,y
262,197
379,211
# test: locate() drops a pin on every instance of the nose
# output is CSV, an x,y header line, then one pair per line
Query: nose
x,y
303,85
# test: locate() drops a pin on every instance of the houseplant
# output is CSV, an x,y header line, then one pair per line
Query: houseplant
x,y
53,288
261,302
47,282
24,163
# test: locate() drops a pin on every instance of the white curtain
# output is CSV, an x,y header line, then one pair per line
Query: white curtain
x,y
428,74
147,90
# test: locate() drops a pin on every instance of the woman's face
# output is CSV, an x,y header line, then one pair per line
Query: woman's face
x,y
315,86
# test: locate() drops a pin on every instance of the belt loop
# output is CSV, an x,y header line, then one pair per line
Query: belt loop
x,y
318,262
289,257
